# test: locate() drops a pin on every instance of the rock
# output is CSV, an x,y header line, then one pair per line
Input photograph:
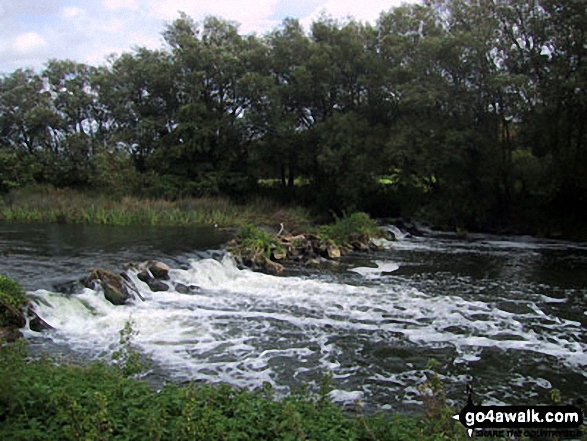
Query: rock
x,y
69,287
333,251
115,287
374,247
181,288
157,285
360,246
12,317
145,276
159,270
279,254
313,262
36,323
461,233
9,334
275,267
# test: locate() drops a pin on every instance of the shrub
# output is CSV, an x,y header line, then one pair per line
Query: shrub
x,y
12,300
356,227
252,242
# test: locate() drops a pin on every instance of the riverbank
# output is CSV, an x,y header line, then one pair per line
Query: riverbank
x,y
47,204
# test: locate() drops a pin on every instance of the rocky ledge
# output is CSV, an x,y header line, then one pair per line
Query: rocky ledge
x,y
271,252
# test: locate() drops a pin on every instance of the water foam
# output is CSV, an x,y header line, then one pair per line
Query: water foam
x,y
246,328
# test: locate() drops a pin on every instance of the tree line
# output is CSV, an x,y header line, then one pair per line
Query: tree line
x,y
471,113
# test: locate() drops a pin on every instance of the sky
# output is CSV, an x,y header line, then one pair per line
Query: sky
x,y
88,31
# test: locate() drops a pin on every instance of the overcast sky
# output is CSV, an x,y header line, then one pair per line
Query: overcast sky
x,y
34,31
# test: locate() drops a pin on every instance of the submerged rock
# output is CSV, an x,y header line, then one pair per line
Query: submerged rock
x,y
181,288
157,285
69,287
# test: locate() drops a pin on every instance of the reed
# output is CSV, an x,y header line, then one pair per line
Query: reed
x,y
71,206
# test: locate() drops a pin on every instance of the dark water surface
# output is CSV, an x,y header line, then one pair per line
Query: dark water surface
x,y
506,315
40,255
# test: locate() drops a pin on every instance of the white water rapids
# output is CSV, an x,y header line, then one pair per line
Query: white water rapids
x,y
371,329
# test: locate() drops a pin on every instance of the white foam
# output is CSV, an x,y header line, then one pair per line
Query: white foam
x,y
246,328
371,273
397,233
341,396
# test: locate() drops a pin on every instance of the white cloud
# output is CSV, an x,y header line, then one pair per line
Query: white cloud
x,y
121,4
33,31
366,10
28,42
71,12
252,16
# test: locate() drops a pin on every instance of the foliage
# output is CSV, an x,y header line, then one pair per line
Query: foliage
x,y
12,301
356,227
126,357
47,204
49,401
439,414
478,108
253,242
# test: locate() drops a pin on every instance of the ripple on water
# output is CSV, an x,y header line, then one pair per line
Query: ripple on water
x,y
247,328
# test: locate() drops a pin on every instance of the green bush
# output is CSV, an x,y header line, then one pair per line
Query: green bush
x,y
252,242
12,300
356,227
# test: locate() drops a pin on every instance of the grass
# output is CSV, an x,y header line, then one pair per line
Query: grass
x,y
356,227
70,206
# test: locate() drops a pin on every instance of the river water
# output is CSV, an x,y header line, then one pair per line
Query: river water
x,y
506,315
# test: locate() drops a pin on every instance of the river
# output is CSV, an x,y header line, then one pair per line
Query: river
x,y
506,315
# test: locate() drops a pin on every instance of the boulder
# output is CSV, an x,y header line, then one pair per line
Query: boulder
x,y
181,288
145,276
333,251
274,267
116,289
11,316
36,323
159,270
157,285
154,284
313,263
9,334
69,287
279,254
359,246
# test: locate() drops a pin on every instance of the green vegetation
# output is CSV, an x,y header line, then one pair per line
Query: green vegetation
x,y
12,301
70,206
46,401
255,242
358,227
470,114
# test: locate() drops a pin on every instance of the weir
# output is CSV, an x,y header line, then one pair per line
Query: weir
x,y
372,322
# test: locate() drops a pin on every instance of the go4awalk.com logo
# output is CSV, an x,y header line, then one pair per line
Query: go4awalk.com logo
x,y
530,421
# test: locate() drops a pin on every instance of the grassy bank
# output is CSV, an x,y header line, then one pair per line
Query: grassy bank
x,y
71,206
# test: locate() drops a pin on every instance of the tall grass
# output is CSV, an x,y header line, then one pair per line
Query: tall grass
x,y
70,206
